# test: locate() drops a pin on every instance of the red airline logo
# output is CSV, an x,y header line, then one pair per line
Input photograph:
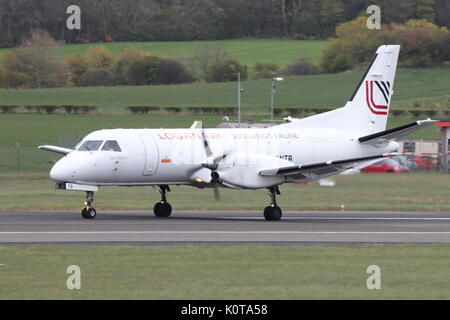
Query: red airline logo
x,y
384,87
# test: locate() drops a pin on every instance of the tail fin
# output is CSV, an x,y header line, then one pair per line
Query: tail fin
x,y
371,100
368,108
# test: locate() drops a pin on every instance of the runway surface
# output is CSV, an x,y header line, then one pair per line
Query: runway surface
x,y
139,227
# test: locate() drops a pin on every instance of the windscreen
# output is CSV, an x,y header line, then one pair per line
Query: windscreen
x,y
391,162
111,145
90,145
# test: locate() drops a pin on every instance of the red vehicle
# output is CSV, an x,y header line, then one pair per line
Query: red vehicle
x,y
422,161
386,166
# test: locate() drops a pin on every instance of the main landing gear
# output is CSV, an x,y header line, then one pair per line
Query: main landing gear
x,y
162,208
89,212
273,212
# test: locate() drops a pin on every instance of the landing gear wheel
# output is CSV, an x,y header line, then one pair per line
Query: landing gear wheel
x,y
162,209
156,208
272,213
88,213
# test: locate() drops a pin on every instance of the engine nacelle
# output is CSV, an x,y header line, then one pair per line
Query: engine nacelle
x,y
242,170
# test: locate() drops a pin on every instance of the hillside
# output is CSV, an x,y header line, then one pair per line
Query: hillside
x,y
246,51
319,91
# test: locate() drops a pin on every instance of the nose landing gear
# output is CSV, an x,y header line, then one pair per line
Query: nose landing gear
x,y
162,208
89,212
273,212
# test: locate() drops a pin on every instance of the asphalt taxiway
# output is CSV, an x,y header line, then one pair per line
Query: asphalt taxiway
x,y
141,227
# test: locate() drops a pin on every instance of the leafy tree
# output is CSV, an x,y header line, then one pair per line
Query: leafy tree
x,y
204,58
301,67
335,58
97,77
121,68
331,14
443,13
3,83
423,43
171,71
264,70
355,44
99,57
163,20
35,63
40,56
15,71
425,10
144,71
307,23
226,70
76,66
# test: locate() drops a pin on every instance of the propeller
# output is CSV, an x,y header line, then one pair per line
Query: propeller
x,y
212,163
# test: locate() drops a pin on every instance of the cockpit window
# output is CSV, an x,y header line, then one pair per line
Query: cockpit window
x,y
111,145
90,145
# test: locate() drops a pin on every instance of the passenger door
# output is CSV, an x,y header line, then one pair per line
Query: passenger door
x,y
151,154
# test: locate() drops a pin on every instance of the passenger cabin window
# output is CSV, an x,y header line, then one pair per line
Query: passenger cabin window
x,y
90,145
111,145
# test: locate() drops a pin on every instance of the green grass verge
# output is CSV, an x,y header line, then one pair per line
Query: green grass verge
x,y
246,51
405,192
427,86
225,272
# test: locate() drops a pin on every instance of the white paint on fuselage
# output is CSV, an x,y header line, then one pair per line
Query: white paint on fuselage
x,y
174,156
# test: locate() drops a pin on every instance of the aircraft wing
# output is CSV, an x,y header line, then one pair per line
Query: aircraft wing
x,y
56,149
394,133
322,168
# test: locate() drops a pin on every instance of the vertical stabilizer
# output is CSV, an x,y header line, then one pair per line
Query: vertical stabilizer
x,y
367,110
369,104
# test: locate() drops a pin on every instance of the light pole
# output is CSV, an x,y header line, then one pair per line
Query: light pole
x,y
239,91
239,101
273,91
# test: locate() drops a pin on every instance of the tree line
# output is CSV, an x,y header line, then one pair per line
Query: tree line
x,y
423,44
37,63
177,20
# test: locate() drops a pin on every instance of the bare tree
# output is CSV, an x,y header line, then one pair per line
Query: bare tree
x,y
204,57
289,14
39,55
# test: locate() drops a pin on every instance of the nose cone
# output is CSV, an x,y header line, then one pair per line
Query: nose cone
x,y
61,171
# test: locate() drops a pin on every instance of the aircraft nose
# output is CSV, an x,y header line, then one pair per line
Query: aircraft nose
x,y
60,171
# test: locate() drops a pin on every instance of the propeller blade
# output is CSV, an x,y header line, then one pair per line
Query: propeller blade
x,y
206,145
216,192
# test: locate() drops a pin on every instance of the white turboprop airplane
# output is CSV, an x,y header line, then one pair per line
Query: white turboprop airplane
x,y
301,150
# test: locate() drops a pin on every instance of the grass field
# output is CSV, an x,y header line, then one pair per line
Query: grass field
x,y
318,91
225,272
406,192
246,51
31,130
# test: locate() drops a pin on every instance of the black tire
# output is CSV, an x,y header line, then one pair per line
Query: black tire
x,y
272,213
156,208
162,209
88,213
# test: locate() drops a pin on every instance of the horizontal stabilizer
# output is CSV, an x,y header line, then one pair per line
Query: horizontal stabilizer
x,y
319,168
394,133
56,149
197,125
